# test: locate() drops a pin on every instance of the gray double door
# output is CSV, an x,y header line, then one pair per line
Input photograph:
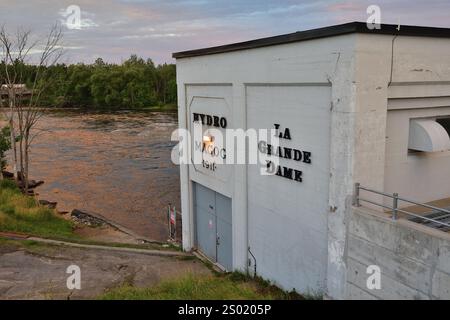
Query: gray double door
x,y
213,225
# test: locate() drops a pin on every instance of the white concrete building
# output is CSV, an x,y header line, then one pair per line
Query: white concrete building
x,y
361,106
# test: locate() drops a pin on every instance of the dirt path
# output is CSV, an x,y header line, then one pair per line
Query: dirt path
x,y
38,271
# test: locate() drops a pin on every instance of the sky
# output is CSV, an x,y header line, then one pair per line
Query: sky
x,y
115,29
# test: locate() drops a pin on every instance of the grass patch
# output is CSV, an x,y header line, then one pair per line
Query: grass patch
x,y
7,245
234,286
21,213
189,287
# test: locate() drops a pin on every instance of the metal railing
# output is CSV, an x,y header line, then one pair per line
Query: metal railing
x,y
357,199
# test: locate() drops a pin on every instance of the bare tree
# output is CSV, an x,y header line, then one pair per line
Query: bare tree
x,y
24,108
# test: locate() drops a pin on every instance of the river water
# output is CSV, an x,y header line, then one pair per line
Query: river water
x,y
115,164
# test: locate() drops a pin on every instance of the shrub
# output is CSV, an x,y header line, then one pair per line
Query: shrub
x,y
5,145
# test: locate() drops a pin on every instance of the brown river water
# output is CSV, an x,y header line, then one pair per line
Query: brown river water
x,y
117,165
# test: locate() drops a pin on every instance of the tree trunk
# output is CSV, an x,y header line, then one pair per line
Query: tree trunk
x,y
25,169
21,155
13,135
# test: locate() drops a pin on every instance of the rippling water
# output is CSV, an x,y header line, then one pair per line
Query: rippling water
x,y
117,165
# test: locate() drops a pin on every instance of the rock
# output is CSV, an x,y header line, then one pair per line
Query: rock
x,y
34,184
31,184
8,175
49,204
86,218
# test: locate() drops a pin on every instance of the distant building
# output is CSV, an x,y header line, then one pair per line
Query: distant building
x,y
350,105
14,86
19,89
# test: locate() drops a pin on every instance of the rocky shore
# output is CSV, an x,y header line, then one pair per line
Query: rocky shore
x,y
90,225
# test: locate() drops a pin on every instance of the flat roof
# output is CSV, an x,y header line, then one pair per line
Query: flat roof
x,y
336,30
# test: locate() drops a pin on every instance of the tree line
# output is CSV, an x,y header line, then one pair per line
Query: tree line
x,y
135,83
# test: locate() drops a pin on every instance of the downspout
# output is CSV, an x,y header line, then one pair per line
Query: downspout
x,y
254,260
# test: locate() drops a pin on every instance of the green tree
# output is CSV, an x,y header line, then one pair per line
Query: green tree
x,y
134,83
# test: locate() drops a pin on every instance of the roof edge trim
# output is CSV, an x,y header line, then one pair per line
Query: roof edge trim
x,y
336,30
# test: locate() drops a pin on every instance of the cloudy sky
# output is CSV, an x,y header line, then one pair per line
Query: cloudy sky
x,y
114,29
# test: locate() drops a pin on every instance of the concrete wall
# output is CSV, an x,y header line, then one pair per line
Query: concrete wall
x,y
397,78
414,260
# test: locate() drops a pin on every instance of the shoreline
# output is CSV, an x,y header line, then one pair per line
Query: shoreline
x,y
97,223
164,108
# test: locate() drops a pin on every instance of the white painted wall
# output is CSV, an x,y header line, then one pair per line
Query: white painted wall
x,y
421,176
211,100
288,219
397,79
300,236
420,88
322,69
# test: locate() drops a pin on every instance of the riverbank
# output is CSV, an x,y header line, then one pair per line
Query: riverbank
x,y
24,216
154,108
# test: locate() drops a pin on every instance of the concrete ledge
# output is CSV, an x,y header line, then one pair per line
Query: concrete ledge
x,y
109,248
401,222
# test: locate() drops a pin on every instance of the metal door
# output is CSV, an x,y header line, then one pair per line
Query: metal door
x,y
224,232
213,225
205,203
